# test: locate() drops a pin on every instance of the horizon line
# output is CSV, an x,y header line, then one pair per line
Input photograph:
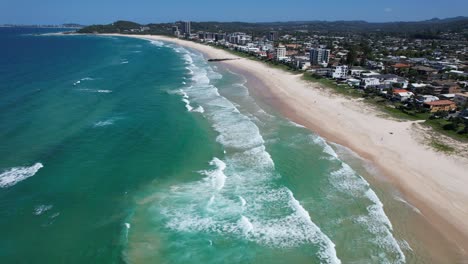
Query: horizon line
x,y
251,22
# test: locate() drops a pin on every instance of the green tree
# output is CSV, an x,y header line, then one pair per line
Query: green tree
x,y
351,57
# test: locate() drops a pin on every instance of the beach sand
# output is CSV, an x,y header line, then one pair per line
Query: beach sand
x,y
434,182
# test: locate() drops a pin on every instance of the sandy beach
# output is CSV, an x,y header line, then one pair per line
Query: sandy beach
x,y
434,182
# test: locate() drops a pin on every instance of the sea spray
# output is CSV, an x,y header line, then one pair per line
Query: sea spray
x,y
14,175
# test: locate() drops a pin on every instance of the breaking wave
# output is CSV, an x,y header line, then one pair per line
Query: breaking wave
x,y
95,91
237,195
40,209
347,181
14,175
82,80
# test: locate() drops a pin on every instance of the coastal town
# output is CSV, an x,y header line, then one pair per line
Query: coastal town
x,y
411,71
234,132
424,78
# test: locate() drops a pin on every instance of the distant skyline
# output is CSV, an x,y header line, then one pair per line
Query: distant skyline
x,y
147,11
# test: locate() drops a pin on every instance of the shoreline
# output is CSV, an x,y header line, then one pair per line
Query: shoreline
x,y
433,182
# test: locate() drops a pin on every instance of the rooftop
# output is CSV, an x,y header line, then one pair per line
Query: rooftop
x,y
440,102
401,65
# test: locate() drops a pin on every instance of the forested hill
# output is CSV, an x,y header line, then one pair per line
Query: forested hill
x,y
433,26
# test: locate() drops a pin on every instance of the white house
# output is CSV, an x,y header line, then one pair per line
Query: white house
x,y
356,71
369,82
369,74
340,72
402,95
427,98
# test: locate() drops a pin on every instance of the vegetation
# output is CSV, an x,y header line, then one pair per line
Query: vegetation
x,y
439,146
129,27
429,28
456,128
339,89
359,46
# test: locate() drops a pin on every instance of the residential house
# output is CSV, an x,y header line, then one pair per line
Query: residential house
x,y
426,71
461,99
441,105
356,71
426,98
300,62
391,79
370,82
443,87
402,94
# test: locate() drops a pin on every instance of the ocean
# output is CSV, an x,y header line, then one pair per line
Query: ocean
x,y
119,150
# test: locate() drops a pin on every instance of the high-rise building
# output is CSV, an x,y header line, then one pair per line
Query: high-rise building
x,y
220,36
175,31
280,52
273,36
239,38
186,28
319,56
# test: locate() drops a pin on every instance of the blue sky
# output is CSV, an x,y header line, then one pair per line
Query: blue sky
x,y
145,11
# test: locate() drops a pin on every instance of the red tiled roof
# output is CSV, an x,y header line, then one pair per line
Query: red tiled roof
x,y
401,65
399,91
440,102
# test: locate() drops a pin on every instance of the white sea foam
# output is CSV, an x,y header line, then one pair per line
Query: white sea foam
x,y
157,43
326,148
199,109
124,62
127,225
218,203
82,80
40,209
296,124
242,200
404,244
376,221
54,216
95,91
327,245
414,208
104,91
106,122
217,176
187,104
184,94
14,175
245,225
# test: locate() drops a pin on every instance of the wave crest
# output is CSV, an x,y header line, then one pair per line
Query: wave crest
x,y
12,176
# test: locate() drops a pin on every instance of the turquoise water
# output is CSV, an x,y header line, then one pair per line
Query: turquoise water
x,y
119,150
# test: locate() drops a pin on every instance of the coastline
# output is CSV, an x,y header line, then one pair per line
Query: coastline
x,y
433,182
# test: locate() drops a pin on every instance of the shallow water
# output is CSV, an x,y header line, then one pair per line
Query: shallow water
x,y
123,150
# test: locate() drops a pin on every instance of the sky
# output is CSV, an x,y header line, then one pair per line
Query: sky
x,y
146,11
